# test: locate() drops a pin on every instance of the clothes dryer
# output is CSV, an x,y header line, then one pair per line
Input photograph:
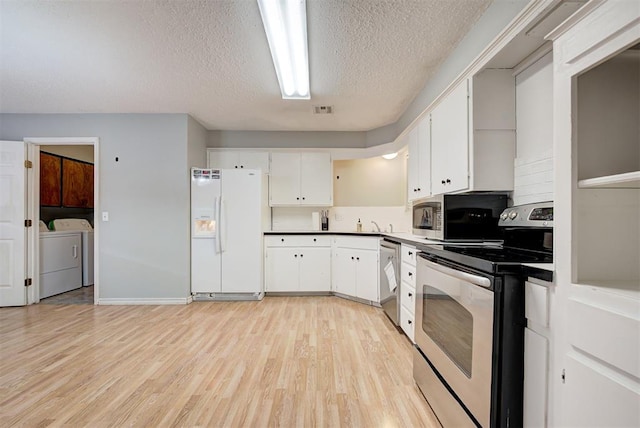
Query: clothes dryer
x,y
83,226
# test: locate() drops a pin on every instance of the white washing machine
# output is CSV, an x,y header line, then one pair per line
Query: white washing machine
x,y
83,226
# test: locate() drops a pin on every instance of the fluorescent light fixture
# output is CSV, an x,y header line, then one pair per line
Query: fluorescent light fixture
x,y
285,22
390,156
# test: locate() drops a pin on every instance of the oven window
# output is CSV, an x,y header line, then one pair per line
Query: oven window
x,y
450,326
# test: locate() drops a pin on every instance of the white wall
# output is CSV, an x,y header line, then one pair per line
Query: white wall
x,y
372,181
196,145
144,248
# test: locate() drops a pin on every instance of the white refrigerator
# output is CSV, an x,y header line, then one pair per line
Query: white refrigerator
x,y
226,233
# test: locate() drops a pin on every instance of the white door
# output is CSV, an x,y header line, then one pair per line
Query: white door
x,y
282,269
12,217
367,274
316,184
255,160
424,162
413,165
241,231
284,181
343,271
450,142
315,269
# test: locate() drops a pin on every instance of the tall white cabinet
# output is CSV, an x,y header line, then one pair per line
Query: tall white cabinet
x,y
419,163
595,374
301,179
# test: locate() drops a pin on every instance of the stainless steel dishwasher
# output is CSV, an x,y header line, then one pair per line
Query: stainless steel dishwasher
x,y
389,296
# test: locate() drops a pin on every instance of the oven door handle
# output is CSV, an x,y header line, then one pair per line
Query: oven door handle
x,y
474,279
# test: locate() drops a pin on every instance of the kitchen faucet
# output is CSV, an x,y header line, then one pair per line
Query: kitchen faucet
x,y
390,228
377,227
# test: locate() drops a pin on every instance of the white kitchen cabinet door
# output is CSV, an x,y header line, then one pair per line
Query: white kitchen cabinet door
x,y
343,271
282,271
450,142
316,184
284,181
315,269
236,159
413,165
424,161
366,266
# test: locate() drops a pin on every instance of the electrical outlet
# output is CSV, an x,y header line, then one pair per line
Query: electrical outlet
x,y
105,215
338,217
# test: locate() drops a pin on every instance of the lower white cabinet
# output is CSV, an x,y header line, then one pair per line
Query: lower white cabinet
x,y
297,264
408,290
536,353
355,267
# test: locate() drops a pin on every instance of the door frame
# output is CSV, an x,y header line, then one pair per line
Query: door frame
x,y
33,209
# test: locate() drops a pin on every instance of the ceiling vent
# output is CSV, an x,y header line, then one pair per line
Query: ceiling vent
x,y
323,109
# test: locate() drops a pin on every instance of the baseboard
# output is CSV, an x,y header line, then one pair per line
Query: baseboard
x,y
157,301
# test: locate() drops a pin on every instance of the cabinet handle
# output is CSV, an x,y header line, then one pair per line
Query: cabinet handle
x,y
443,182
410,294
241,166
410,273
351,257
303,198
297,199
409,322
236,167
415,190
75,251
418,189
314,239
282,239
448,181
357,258
301,255
411,253
295,255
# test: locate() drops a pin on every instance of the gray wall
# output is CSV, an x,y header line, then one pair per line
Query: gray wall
x,y
196,145
144,247
490,24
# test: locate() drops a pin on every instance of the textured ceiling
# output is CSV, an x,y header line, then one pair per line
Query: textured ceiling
x,y
210,59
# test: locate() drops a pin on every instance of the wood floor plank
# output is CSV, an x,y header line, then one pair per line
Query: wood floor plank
x,y
285,361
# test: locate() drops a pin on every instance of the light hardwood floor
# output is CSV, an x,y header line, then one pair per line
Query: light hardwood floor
x,y
285,361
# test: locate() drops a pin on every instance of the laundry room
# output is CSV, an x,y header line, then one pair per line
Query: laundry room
x,y
66,223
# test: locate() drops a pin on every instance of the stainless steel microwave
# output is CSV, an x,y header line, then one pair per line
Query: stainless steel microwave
x,y
465,217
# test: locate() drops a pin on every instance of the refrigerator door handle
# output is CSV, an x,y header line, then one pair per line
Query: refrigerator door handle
x,y
216,210
221,209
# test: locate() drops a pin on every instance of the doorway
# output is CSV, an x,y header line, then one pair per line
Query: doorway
x,y
66,279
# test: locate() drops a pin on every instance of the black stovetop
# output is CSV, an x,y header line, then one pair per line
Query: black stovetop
x,y
491,258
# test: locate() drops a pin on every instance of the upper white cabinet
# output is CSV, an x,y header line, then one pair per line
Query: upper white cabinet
x,y
234,159
419,163
301,179
473,135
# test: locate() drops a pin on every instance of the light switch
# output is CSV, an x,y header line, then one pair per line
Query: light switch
x,y
105,215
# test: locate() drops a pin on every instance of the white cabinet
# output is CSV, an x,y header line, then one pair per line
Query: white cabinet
x,y
297,263
597,155
473,135
301,179
537,337
419,164
235,159
355,267
408,290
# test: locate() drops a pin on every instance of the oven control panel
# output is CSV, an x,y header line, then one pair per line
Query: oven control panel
x,y
530,215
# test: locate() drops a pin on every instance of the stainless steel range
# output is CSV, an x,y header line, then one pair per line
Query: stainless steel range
x,y
468,359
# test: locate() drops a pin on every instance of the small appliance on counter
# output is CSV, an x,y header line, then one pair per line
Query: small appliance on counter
x,y
469,355
464,217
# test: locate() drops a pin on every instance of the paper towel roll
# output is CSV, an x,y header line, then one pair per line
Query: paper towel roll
x,y
315,220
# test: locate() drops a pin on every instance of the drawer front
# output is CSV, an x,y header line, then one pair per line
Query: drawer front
x,y
408,255
409,274
357,242
407,323
297,241
536,303
408,297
